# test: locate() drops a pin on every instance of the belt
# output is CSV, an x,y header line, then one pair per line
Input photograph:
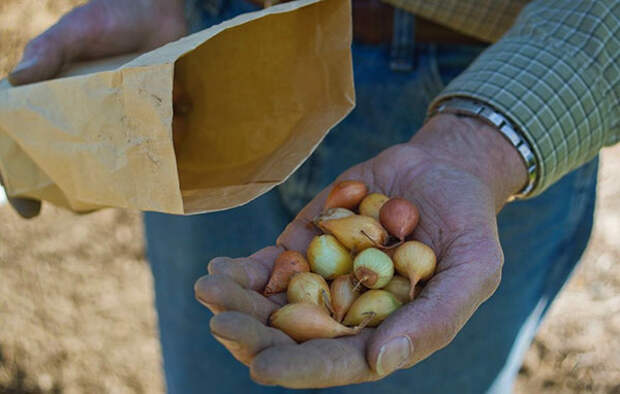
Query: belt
x,y
373,24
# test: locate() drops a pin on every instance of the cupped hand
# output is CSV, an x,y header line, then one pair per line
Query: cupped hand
x,y
95,30
458,189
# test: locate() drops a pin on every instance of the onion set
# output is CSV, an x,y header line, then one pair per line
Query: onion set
x,y
346,194
287,264
357,272
302,321
381,303
415,261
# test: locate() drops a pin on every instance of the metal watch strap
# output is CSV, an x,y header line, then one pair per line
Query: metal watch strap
x,y
469,107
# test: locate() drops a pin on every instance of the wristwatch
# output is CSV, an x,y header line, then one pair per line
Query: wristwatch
x,y
484,112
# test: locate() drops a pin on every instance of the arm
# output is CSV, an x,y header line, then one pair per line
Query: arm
x,y
555,76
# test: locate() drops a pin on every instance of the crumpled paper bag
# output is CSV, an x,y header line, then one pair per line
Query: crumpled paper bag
x,y
264,87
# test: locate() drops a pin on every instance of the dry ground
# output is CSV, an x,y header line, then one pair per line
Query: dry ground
x,y
76,310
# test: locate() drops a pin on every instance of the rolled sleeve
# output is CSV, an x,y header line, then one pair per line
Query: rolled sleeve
x,y
555,75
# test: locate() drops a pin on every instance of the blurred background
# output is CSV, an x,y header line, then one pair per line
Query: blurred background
x,y
76,302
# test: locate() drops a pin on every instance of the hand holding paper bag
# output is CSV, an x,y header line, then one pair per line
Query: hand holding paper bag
x,y
265,88
95,30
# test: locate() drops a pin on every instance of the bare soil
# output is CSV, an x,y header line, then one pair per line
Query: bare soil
x,y
76,297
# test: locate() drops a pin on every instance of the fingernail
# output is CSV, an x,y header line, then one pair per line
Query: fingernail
x,y
394,355
24,64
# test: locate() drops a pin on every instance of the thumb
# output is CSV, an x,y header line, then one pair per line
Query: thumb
x,y
66,41
434,318
43,58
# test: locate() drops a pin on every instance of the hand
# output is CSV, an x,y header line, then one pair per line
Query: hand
x,y
459,172
97,29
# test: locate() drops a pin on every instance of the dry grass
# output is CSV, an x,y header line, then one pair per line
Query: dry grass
x,y
76,296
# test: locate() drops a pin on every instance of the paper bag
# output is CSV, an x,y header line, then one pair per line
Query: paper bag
x,y
264,87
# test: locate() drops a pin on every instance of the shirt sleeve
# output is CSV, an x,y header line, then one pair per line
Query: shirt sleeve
x,y
555,75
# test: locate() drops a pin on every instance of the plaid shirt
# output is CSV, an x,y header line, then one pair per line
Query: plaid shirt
x,y
553,70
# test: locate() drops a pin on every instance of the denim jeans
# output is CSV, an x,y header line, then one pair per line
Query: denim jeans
x,y
542,238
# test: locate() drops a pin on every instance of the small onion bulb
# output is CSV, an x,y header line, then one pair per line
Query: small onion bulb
x,y
286,265
373,268
371,204
381,303
328,257
343,295
303,321
416,261
346,194
356,232
399,217
309,287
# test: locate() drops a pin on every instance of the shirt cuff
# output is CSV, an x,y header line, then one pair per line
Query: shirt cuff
x,y
545,90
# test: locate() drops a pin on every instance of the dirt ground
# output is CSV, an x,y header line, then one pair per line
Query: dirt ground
x,y
76,300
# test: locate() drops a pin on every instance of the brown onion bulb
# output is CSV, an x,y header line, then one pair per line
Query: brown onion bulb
x,y
343,294
356,232
286,265
372,203
380,302
303,321
399,217
309,287
416,261
346,194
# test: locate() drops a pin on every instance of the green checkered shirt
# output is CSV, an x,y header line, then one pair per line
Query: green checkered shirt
x,y
554,70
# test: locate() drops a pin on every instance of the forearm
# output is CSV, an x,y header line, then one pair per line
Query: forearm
x,y
478,148
555,78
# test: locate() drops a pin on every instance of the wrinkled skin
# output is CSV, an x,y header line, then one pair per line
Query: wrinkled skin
x,y
458,198
98,29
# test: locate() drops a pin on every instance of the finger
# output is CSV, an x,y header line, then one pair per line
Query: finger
x,y
250,272
220,293
314,364
26,208
94,30
433,319
244,336
62,43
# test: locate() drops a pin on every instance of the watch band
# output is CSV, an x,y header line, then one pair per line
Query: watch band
x,y
470,107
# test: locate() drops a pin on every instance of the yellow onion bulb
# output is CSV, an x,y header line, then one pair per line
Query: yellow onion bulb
x,y
331,214
399,286
309,287
415,261
355,232
343,294
373,268
304,321
371,205
380,302
328,258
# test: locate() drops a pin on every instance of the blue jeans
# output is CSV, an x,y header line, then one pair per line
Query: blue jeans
x,y
543,238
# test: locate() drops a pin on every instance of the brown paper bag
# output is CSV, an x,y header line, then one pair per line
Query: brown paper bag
x,y
265,88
